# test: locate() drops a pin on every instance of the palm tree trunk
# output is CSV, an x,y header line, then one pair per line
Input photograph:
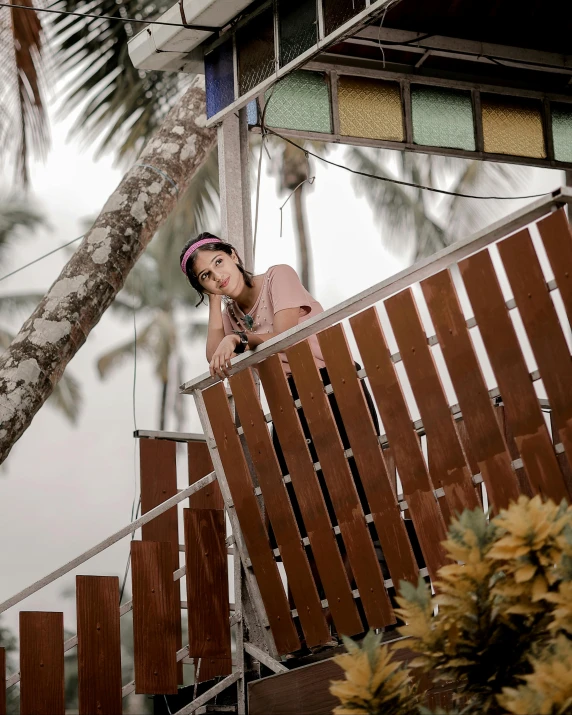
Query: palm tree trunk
x,y
75,303
163,409
302,238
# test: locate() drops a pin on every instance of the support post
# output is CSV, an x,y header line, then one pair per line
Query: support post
x,y
235,212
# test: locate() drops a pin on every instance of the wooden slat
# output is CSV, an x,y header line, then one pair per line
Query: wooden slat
x,y
517,391
154,623
325,551
448,466
417,488
556,236
542,328
250,519
279,510
524,485
207,585
367,453
210,668
99,645
158,465
200,464
41,663
341,487
2,681
485,437
565,466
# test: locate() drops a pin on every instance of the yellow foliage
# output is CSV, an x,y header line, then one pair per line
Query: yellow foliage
x,y
502,616
548,689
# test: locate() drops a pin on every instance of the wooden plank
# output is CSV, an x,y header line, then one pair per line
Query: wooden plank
x,y
2,681
154,623
542,328
556,236
518,394
524,485
306,689
448,466
328,560
250,519
199,464
207,585
341,487
41,663
158,465
417,488
99,645
565,466
380,491
485,438
279,510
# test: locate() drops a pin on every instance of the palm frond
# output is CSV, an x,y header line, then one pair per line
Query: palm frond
x,y
17,302
117,356
17,216
23,118
486,179
120,106
66,397
406,221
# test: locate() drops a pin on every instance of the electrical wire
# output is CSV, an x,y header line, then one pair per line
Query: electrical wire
x,y
40,258
401,182
145,21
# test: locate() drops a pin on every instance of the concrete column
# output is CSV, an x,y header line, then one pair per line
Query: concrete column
x,y
236,218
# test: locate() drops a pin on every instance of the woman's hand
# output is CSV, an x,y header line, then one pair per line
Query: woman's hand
x,y
220,361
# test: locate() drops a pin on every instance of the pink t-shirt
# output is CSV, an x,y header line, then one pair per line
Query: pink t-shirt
x,y
280,290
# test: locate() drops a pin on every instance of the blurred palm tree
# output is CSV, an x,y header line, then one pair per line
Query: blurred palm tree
x,y
8,641
23,117
416,222
16,219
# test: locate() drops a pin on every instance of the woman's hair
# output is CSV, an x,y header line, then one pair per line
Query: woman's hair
x,y
216,245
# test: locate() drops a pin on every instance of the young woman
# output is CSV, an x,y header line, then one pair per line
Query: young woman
x,y
256,308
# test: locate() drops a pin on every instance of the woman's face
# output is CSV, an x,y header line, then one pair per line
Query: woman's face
x,y
218,273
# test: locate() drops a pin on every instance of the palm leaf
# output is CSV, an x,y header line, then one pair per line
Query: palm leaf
x,y
19,302
23,116
120,106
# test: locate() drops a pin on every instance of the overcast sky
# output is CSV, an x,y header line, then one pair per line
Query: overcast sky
x,y
64,488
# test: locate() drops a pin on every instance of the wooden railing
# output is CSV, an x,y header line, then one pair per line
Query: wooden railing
x,y
156,599
337,500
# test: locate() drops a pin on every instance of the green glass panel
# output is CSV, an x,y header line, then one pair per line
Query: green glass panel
x,y
562,131
300,101
442,117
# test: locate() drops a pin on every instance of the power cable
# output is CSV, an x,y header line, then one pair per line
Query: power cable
x,y
40,258
145,21
399,181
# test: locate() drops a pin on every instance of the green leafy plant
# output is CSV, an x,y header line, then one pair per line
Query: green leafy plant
x,y
499,626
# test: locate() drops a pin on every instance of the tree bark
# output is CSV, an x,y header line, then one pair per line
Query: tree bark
x,y
89,282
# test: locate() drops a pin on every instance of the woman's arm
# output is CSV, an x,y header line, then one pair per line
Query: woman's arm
x,y
283,321
215,328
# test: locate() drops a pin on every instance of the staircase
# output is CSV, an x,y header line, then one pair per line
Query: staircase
x,y
455,359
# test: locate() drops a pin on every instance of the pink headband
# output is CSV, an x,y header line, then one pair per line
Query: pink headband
x,y
191,249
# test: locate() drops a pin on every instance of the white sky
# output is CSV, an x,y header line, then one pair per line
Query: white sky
x,y
63,488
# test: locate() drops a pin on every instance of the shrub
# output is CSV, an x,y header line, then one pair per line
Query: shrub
x,y
500,626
